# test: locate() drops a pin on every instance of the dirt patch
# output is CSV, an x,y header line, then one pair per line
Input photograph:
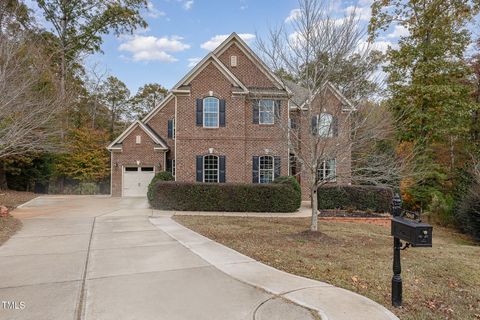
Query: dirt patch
x,y
12,199
8,227
438,283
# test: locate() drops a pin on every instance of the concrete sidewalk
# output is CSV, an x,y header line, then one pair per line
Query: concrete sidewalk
x,y
304,211
329,301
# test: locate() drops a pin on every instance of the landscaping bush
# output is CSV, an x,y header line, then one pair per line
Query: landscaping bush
x,y
282,196
364,198
161,176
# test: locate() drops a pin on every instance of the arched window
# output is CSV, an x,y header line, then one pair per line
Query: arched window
x,y
210,168
266,169
325,121
210,112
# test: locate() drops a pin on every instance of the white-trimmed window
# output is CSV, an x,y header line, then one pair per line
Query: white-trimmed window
x,y
173,129
210,112
266,169
210,168
327,170
266,111
173,168
325,121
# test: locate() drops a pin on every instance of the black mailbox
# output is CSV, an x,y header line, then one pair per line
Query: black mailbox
x,y
416,233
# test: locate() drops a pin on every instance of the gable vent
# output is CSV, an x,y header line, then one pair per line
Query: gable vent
x,y
233,61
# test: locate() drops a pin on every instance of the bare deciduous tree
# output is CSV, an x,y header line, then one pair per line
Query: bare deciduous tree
x,y
28,98
325,128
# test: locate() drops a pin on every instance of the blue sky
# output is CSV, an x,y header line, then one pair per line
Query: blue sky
x,y
181,32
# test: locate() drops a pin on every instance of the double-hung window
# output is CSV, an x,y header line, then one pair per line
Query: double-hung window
x,y
266,111
210,112
327,170
266,169
325,121
210,168
173,167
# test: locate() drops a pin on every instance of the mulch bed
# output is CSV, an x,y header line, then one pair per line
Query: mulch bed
x,y
12,199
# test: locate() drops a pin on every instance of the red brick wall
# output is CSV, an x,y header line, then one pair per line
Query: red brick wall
x,y
132,152
238,141
335,147
159,123
246,71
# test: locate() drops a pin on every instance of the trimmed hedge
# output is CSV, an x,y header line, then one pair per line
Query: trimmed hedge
x,y
281,196
161,176
353,197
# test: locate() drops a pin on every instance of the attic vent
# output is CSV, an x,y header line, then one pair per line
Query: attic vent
x,y
233,61
138,139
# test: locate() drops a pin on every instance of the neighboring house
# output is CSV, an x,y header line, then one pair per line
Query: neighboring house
x,y
223,122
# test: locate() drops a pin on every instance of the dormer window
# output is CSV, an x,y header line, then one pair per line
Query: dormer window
x,y
233,61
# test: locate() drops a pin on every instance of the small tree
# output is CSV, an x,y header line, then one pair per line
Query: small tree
x,y
313,52
86,158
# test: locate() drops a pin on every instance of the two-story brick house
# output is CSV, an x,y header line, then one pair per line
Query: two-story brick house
x,y
224,121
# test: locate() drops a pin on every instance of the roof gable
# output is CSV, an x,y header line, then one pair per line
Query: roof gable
x,y
133,126
211,59
234,39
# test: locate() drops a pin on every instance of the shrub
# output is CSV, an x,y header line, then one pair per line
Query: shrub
x,y
161,176
468,212
346,197
282,196
440,209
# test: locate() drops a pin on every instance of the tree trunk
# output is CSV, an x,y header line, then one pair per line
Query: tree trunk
x,y
314,202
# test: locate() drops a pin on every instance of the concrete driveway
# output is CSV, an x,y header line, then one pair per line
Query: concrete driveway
x,y
101,258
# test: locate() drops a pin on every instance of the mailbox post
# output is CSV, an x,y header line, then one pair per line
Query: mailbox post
x,y
414,233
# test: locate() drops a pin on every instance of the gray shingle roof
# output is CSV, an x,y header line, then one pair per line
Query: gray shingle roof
x,y
300,94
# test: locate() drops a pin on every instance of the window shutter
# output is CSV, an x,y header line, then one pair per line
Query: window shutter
x,y
255,163
256,111
170,128
335,126
277,166
278,110
199,112
315,124
221,171
222,113
199,168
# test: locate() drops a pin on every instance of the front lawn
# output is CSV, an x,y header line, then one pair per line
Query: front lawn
x,y
442,282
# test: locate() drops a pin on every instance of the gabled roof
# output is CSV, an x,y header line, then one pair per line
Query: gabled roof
x,y
301,94
235,38
116,144
210,58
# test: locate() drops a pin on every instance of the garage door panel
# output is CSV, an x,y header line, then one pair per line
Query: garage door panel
x,y
135,182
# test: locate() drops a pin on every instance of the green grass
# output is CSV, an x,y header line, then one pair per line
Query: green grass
x,y
442,282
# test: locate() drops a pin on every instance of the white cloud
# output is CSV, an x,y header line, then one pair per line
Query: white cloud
x,y
294,15
399,31
187,5
192,62
153,12
216,40
149,48
362,13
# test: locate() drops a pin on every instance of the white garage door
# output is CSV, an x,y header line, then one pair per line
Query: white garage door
x,y
136,181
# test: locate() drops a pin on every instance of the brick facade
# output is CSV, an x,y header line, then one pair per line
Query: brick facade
x,y
238,141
